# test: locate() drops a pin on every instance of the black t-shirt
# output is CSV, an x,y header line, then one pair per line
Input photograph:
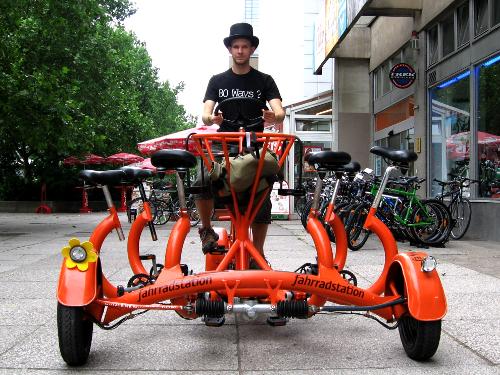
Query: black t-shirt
x,y
253,84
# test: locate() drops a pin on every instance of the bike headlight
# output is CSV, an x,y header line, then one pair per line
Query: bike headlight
x,y
78,254
429,264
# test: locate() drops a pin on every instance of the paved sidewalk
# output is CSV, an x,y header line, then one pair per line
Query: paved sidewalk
x,y
160,342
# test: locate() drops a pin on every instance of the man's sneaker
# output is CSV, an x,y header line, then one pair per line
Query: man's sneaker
x,y
208,239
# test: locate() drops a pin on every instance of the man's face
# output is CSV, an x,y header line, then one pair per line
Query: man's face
x,y
241,49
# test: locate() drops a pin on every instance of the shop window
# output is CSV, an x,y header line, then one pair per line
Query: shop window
x,y
488,135
463,24
496,12
480,16
378,83
450,131
433,45
400,141
386,84
313,125
409,56
396,59
308,147
448,32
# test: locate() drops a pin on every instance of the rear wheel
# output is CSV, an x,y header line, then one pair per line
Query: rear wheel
x,y
461,213
420,339
74,329
431,223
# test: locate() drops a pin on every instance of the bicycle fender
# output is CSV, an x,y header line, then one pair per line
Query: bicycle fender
x,y
424,292
77,288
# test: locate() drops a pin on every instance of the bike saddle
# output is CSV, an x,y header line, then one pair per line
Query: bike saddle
x,y
397,156
329,160
135,174
352,167
165,160
113,177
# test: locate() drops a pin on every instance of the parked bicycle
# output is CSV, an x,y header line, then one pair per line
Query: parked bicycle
x,y
452,194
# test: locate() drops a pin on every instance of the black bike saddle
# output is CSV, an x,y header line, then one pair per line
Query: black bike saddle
x,y
397,156
173,160
112,177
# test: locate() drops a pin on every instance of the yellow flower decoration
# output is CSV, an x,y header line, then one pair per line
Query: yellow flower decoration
x,y
82,256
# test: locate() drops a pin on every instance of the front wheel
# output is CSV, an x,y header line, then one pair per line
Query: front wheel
x,y
461,214
420,339
74,329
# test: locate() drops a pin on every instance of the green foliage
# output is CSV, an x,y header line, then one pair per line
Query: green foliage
x,y
74,81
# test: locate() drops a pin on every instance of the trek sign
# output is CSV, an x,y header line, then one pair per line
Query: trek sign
x,y
402,75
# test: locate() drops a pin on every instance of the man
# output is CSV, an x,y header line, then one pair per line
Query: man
x,y
240,80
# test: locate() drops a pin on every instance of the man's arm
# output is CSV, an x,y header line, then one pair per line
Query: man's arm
x,y
277,113
207,117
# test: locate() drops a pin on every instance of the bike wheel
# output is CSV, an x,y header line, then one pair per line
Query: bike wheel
x,y
74,330
194,216
357,235
161,214
431,223
305,213
461,213
420,339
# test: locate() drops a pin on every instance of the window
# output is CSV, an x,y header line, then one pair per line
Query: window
x,y
488,135
409,56
433,45
480,16
400,141
496,12
450,131
463,24
313,125
448,32
396,59
386,84
378,83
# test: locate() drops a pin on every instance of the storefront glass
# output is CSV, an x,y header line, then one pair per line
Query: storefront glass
x,y
450,131
488,134
308,147
310,125
404,140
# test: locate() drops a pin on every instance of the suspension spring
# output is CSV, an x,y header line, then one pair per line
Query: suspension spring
x,y
209,308
293,309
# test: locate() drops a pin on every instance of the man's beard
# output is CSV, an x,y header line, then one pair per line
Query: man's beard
x,y
243,62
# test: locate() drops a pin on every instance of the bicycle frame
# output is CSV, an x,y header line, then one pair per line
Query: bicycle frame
x,y
401,288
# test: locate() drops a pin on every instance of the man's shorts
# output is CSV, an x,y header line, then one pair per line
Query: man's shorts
x,y
262,217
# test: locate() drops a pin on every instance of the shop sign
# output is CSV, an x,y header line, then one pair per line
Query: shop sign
x,y
402,75
280,203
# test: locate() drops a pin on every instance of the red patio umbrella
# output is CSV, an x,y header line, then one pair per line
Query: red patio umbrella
x,y
124,158
71,160
93,159
145,164
174,140
457,145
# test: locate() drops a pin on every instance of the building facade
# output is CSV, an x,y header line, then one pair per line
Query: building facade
x,y
450,114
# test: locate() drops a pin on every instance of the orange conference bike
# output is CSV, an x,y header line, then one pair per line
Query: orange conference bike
x,y
408,293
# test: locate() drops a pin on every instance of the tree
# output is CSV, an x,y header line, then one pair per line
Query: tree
x,y
74,81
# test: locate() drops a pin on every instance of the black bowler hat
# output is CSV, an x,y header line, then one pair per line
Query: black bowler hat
x,y
241,30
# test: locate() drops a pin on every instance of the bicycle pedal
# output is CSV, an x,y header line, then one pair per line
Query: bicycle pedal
x,y
276,321
212,321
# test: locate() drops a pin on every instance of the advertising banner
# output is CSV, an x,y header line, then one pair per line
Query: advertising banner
x,y
331,24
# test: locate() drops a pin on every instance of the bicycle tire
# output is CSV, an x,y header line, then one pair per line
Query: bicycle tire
x,y
438,230
357,235
74,329
461,214
305,213
194,216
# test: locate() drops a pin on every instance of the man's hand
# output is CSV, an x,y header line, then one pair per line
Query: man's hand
x,y
217,119
268,116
